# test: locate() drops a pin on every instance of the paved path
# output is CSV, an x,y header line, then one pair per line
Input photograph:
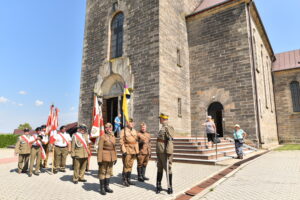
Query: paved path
x,y
274,176
59,186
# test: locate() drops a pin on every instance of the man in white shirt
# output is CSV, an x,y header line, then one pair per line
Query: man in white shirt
x,y
62,146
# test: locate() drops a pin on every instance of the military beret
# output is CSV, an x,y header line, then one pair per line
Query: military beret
x,y
38,129
26,130
82,126
131,120
43,126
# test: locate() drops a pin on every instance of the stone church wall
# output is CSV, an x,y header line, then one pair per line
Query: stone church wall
x,y
288,120
264,84
220,69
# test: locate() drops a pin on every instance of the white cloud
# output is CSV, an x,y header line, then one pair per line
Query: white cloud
x,y
3,100
22,92
72,108
39,103
20,104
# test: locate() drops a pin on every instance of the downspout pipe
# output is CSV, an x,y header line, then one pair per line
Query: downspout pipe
x,y
248,5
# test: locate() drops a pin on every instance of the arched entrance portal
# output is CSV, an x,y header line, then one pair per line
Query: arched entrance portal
x,y
112,90
216,111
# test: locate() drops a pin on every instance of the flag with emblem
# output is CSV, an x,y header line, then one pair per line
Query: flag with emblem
x,y
98,124
126,97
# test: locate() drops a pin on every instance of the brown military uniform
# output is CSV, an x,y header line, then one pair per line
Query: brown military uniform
x,y
23,149
107,154
129,145
164,148
144,140
35,155
80,156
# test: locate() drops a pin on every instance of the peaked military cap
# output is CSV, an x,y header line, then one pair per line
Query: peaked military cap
x,y
163,116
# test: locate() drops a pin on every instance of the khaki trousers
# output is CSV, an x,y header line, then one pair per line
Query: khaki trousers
x,y
105,170
47,150
35,155
128,162
60,157
162,162
142,160
23,158
79,168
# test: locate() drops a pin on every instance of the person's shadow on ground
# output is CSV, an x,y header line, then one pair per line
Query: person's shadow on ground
x,y
67,178
91,187
117,180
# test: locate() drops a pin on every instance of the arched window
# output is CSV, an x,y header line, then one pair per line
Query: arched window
x,y
295,91
117,35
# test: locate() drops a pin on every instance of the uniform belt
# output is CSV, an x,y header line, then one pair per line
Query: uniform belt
x,y
36,147
106,149
130,142
160,140
60,147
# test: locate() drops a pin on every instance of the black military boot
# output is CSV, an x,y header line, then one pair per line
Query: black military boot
x,y
143,174
102,190
158,182
124,179
128,179
140,175
170,189
106,186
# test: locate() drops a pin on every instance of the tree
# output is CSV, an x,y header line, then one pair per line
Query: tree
x,y
25,125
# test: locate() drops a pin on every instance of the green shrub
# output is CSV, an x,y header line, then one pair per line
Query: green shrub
x,y
8,139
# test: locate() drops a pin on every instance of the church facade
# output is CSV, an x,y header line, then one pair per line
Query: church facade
x,y
187,58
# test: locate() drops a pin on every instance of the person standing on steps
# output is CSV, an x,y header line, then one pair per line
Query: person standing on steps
x,y
164,151
210,129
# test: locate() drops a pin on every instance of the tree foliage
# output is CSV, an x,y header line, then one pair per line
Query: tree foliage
x,y
25,125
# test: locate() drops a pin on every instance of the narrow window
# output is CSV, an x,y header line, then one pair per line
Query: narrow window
x,y
179,58
269,74
264,77
295,91
255,55
179,108
117,36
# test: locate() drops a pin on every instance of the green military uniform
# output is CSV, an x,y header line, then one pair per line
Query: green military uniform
x,y
23,148
80,155
164,151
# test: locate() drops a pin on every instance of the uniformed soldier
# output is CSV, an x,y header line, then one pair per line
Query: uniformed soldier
x,y
164,151
62,146
80,152
144,140
23,147
107,157
36,152
129,148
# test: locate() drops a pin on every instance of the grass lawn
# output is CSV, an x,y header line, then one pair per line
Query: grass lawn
x,y
289,147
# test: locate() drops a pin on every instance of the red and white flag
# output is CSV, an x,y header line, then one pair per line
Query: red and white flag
x,y
50,120
98,124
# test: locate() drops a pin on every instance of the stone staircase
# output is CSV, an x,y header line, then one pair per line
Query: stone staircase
x,y
195,150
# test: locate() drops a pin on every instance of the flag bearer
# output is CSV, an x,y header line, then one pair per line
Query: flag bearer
x,y
62,146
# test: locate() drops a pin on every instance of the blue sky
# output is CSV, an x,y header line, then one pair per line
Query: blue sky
x,y
41,53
